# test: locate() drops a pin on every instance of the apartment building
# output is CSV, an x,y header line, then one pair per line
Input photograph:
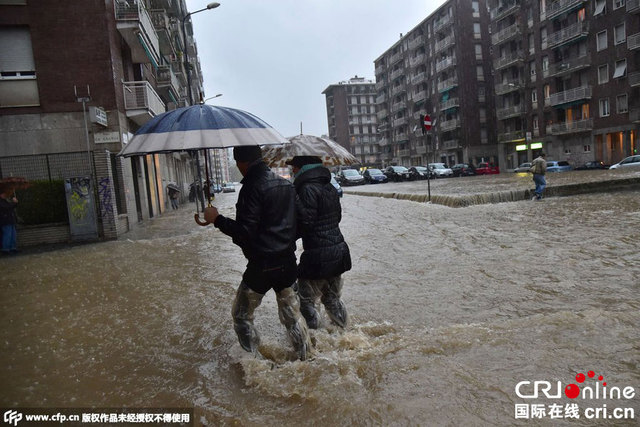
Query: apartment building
x,y
77,80
351,114
567,79
442,68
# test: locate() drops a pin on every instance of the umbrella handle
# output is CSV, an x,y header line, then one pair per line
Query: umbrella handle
x,y
196,217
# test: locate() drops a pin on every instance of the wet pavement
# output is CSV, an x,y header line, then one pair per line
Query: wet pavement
x,y
450,309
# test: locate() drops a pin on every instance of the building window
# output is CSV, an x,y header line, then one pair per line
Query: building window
x,y
480,73
621,69
18,84
478,51
587,148
603,73
534,96
545,64
600,7
475,7
621,104
532,67
547,91
543,37
476,30
617,4
619,34
536,124
604,107
601,41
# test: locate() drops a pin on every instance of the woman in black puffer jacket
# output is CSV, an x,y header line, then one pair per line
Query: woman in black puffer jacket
x,y
326,255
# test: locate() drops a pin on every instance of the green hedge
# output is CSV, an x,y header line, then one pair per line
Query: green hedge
x,y
44,202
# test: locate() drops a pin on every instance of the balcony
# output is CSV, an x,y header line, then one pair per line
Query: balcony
x,y
383,142
421,150
416,60
559,7
396,73
568,34
418,78
571,95
136,27
168,83
572,127
442,23
505,34
507,137
444,64
634,115
509,112
450,103
380,84
420,96
448,84
416,42
380,69
397,90
401,137
381,98
398,106
141,102
633,42
508,86
451,144
634,79
504,10
382,114
569,66
404,153
395,58
163,28
447,125
508,60
633,6
444,43
399,122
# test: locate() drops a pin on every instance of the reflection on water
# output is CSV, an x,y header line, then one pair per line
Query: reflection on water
x,y
450,309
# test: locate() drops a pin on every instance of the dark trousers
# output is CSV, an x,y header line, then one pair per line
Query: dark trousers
x,y
264,274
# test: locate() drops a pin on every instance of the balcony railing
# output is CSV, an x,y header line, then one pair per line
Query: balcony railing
x,y
505,113
572,127
509,59
442,23
396,73
634,79
444,43
421,150
634,115
166,77
417,41
396,57
570,95
136,27
505,34
451,144
444,64
382,114
400,137
399,122
508,86
141,96
404,153
447,125
381,98
559,7
380,85
633,6
633,41
504,10
510,136
397,107
569,66
572,32
420,96
447,84
416,60
397,89
418,78
450,103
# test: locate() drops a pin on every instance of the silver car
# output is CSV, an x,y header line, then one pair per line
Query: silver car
x,y
631,161
440,170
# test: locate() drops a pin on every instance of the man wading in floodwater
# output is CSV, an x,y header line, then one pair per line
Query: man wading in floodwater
x,y
265,230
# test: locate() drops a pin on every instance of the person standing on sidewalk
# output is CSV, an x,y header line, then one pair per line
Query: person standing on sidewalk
x,y
8,220
265,230
539,169
326,254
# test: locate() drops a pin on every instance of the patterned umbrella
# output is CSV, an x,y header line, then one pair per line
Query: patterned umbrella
x,y
331,153
199,127
13,183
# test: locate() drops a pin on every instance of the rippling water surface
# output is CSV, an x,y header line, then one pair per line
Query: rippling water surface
x,y
450,309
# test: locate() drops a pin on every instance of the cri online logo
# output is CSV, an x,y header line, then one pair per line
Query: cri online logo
x,y
572,391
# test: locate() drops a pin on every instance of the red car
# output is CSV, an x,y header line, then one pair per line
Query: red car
x,y
487,169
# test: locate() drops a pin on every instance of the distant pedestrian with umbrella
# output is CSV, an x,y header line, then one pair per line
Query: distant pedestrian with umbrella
x,y
326,255
174,192
265,230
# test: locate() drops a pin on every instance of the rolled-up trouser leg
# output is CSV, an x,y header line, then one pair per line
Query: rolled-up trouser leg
x,y
289,312
336,310
309,293
243,312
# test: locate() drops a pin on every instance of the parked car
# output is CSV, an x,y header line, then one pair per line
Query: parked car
x,y
555,166
418,172
524,167
440,170
463,169
631,161
592,165
337,186
374,176
397,173
228,187
349,177
486,168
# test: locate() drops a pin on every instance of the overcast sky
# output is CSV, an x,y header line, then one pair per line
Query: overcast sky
x,y
274,58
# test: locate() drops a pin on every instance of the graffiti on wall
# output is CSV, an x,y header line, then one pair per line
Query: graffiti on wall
x,y
106,203
78,191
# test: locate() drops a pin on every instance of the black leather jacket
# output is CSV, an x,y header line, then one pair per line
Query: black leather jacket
x,y
326,254
265,224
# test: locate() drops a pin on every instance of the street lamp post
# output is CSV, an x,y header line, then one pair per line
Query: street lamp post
x,y
186,54
212,97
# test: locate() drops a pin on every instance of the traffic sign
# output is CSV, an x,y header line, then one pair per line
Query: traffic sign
x,y
427,122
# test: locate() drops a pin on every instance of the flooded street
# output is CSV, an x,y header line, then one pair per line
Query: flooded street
x,y
450,309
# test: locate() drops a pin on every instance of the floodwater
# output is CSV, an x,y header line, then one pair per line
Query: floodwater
x,y
450,309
